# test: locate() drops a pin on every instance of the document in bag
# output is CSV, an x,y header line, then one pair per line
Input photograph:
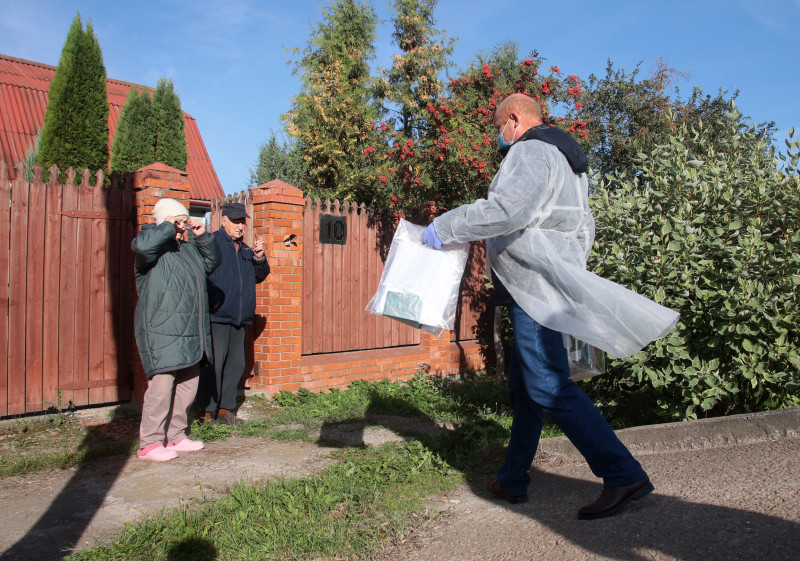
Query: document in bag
x,y
419,285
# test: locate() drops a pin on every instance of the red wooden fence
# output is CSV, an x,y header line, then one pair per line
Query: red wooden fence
x,y
65,292
474,314
340,280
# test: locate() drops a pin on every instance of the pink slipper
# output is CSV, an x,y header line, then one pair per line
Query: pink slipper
x,y
156,453
185,445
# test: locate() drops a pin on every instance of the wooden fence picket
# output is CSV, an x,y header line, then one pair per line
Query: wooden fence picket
x,y
17,287
52,289
34,300
5,254
68,308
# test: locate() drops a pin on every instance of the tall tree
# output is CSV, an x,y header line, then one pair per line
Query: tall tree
x,y
75,130
452,162
134,140
622,110
170,136
333,118
278,160
413,81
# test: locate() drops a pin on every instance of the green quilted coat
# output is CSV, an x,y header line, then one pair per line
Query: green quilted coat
x,y
171,322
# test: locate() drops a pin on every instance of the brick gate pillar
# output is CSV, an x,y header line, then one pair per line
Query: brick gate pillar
x,y
278,220
151,184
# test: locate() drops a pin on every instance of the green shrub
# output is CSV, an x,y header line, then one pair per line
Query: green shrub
x,y
709,228
170,137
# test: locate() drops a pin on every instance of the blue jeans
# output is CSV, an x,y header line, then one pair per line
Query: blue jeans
x,y
539,383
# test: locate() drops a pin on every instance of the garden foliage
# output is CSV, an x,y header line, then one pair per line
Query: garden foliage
x,y
135,136
334,114
278,160
708,226
452,163
414,78
170,137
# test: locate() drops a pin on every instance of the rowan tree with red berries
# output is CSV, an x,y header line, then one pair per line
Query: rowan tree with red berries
x,y
453,162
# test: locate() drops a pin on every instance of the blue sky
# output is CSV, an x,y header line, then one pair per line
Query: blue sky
x,y
228,58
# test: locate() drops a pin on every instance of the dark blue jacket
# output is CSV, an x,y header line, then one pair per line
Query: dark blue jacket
x,y
232,285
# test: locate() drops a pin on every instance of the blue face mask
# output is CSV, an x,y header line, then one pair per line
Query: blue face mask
x,y
502,144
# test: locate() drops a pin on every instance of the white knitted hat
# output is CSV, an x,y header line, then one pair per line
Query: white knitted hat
x,y
168,207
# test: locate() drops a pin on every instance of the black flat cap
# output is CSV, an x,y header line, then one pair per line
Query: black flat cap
x,y
234,211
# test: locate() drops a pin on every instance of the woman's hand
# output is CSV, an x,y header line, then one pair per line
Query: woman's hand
x,y
197,226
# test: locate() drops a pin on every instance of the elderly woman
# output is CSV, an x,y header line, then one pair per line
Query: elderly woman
x,y
171,324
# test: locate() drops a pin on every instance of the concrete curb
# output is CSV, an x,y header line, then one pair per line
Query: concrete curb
x,y
689,435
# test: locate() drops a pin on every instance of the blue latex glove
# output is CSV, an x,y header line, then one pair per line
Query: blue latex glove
x,y
431,238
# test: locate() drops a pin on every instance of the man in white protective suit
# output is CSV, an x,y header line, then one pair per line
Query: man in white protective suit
x,y
539,232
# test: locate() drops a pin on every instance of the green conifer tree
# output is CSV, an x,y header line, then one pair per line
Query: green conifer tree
x,y
75,130
278,160
134,141
333,118
170,137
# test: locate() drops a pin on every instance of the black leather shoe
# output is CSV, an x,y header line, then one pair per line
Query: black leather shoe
x,y
494,488
613,499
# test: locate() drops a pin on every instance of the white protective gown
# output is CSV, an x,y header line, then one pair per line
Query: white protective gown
x,y
539,232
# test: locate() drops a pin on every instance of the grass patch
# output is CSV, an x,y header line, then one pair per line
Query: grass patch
x,y
347,512
474,407
370,497
60,441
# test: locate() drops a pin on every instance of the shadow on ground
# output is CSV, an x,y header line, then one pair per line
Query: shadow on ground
x,y
78,502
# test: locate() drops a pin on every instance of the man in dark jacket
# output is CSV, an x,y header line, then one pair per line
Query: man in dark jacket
x,y
232,302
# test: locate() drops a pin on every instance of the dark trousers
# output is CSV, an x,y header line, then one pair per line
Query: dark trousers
x,y
219,384
539,383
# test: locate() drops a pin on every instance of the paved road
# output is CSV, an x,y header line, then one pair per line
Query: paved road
x,y
726,489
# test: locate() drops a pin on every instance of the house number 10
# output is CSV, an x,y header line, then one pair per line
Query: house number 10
x,y
332,229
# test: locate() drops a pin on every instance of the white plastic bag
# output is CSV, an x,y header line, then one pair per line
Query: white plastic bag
x,y
585,360
419,285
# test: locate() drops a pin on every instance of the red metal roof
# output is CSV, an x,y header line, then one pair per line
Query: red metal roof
x,y
24,85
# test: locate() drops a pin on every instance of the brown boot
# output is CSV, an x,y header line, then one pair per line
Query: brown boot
x,y
226,417
201,416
